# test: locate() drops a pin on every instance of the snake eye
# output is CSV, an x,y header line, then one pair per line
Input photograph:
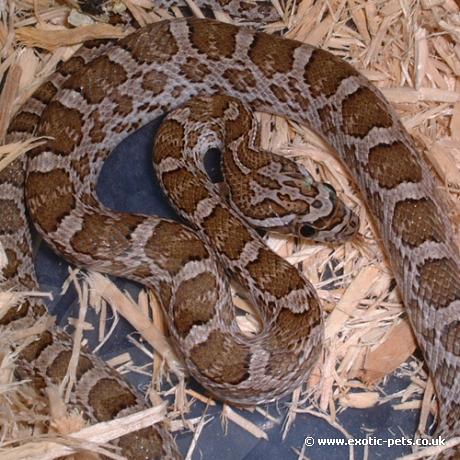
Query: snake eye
x,y
307,231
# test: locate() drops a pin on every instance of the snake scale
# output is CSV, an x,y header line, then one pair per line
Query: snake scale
x,y
199,70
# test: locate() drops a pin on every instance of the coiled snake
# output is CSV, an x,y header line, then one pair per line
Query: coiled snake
x,y
107,91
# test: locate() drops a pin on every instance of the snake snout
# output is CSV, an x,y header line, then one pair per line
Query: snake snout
x,y
340,225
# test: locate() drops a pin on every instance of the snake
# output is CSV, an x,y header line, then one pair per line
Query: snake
x,y
209,76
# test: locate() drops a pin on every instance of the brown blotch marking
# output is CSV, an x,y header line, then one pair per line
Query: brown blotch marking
x,y
280,93
108,397
23,245
227,232
439,282
450,337
103,236
349,156
237,184
38,308
362,111
135,125
169,141
259,9
58,368
172,256
101,154
376,205
177,91
136,75
290,332
63,125
15,313
272,55
216,40
266,182
184,189
289,167
97,80
35,380
192,140
121,127
325,72
270,208
194,302
391,165
238,127
251,159
307,190
232,172
296,206
101,42
24,122
246,7
154,81
208,109
73,65
142,271
97,132
11,269
50,197
27,281
416,221
81,166
13,174
33,350
274,275
240,79
195,70
45,92
291,329
221,359
165,293
327,121
295,88
11,217
139,44
143,444
150,107
88,199
124,103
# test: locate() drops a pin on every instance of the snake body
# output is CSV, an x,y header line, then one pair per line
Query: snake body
x,y
107,91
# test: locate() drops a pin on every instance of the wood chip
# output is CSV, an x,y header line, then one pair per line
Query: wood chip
x,y
360,400
250,427
358,289
390,354
52,39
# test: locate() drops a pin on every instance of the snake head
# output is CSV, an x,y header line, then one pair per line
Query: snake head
x,y
332,230
330,220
